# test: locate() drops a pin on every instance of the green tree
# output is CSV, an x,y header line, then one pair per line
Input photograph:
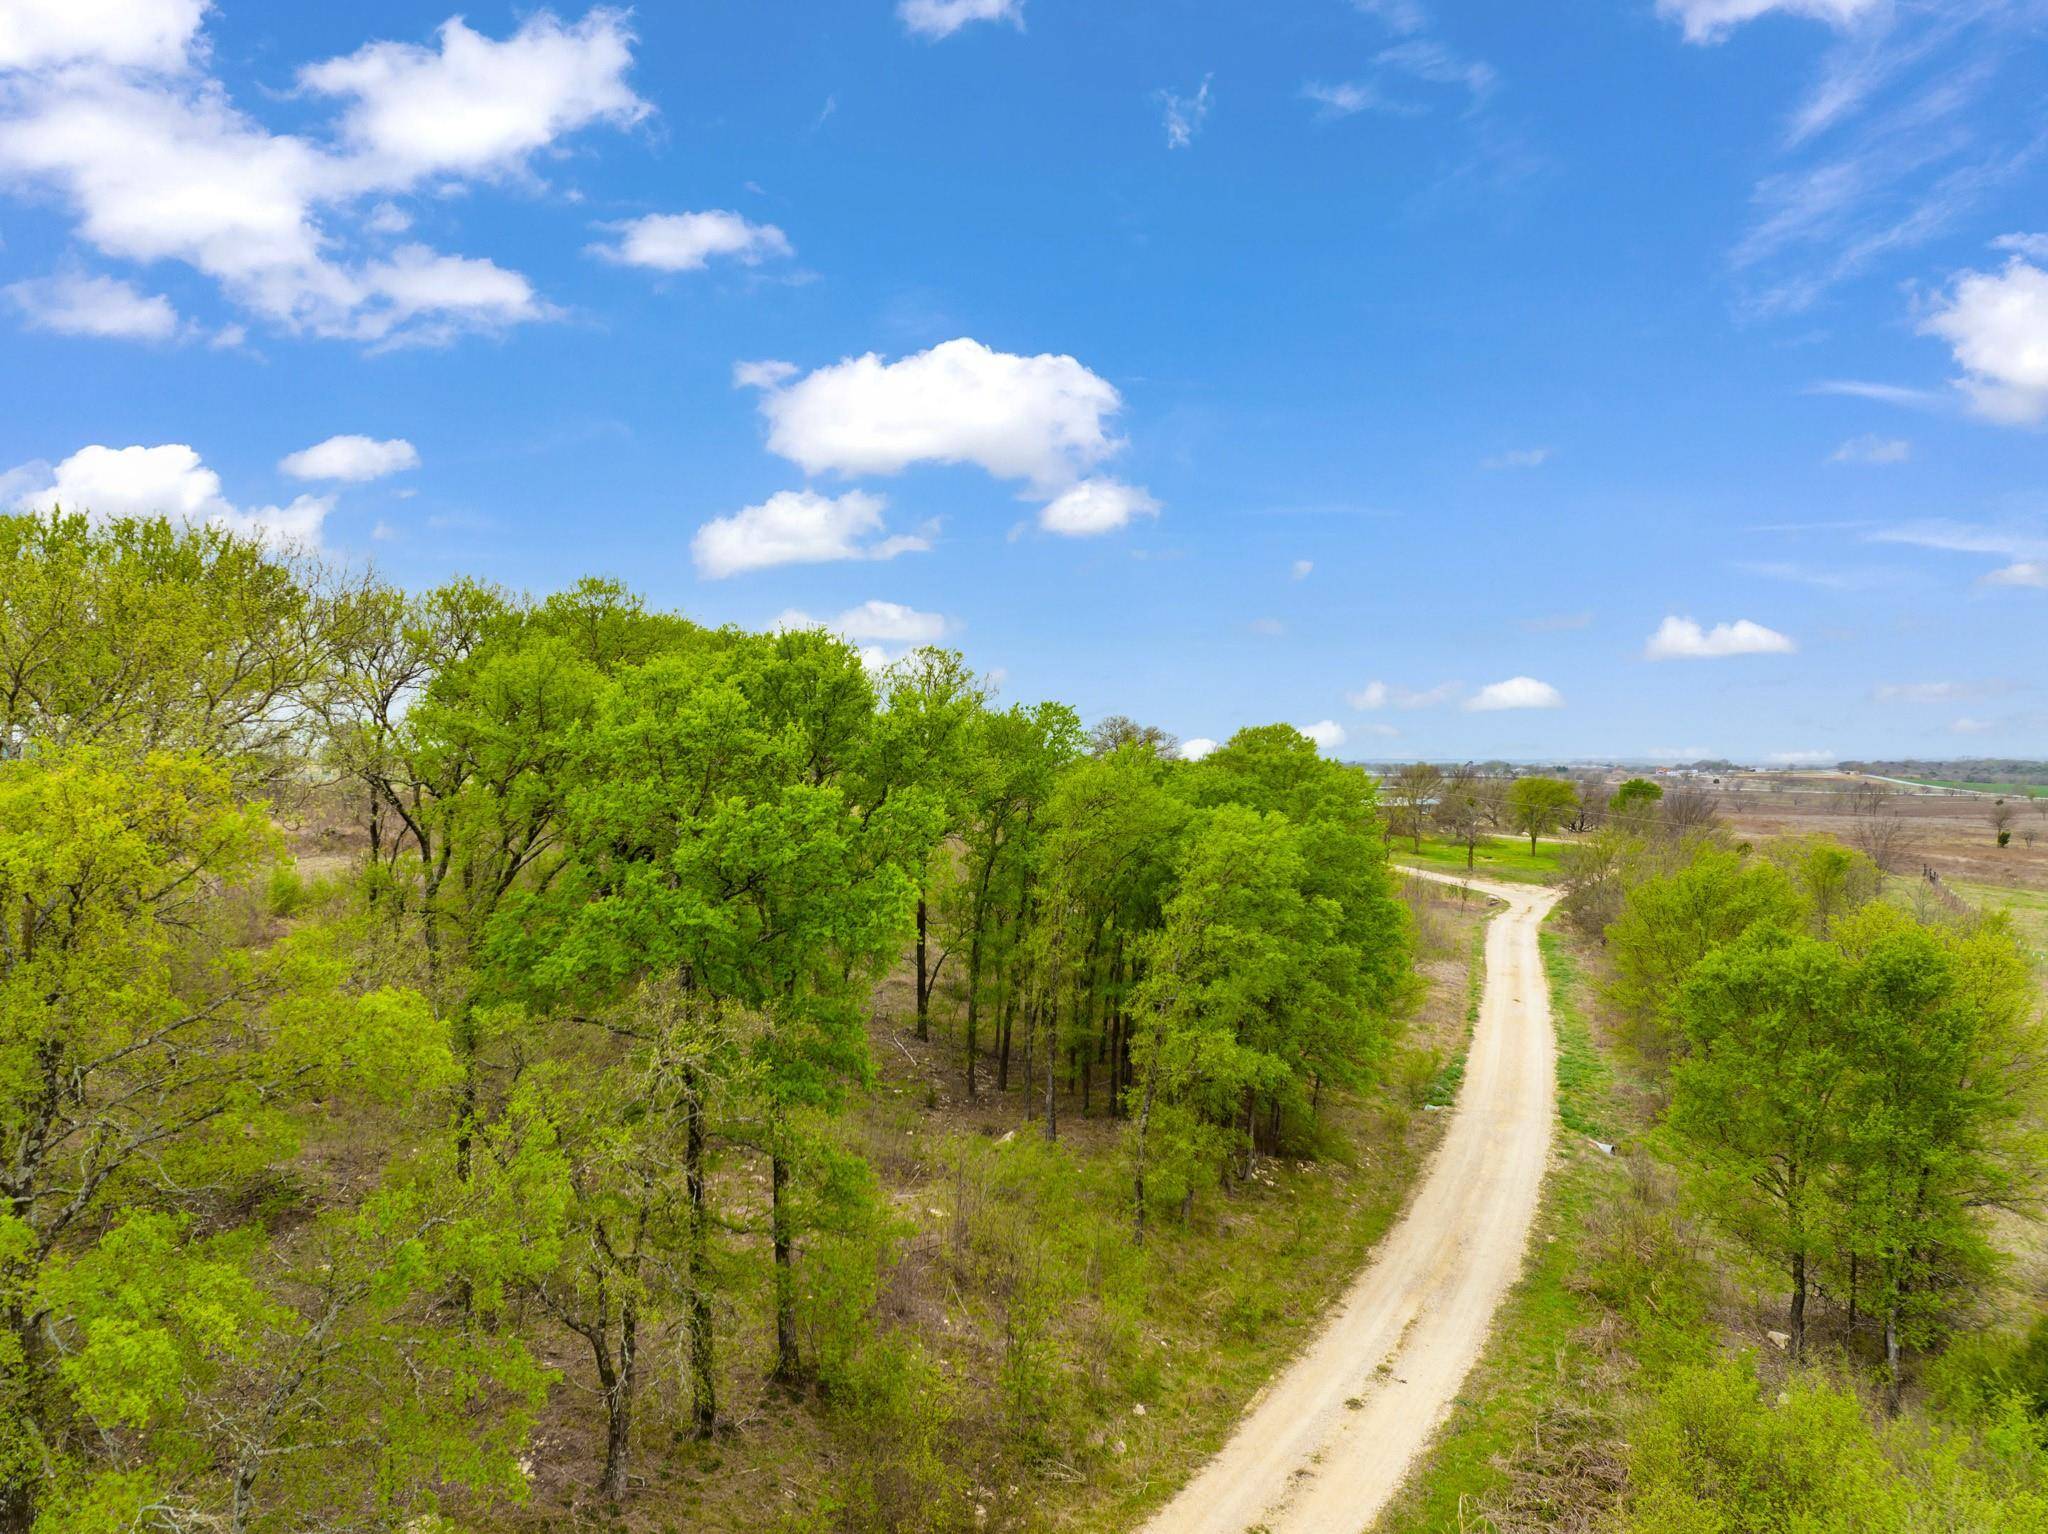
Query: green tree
x,y
150,1052
1635,799
925,739
1670,921
1538,806
1943,1112
1757,1101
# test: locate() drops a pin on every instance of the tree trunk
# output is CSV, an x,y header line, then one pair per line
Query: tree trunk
x,y
924,995
618,1403
787,1370
1798,1305
1891,1356
703,1382
1003,1040
973,1003
1052,1066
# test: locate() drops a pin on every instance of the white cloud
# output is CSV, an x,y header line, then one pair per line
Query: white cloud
x,y
1347,98
891,622
169,480
1301,569
163,166
1922,692
1377,695
351,458
77,305
1518,458
1326,733
422,296
1194,750
1872,448
1969,726
874,626
1709,21
1996,323
767,374
475,106
124,34
2027,572
1801,758
1041,419
1683,639
1515,692
1883,393
1095,506
686,242
2032,246
1270,628
942,18
1183,116
798,527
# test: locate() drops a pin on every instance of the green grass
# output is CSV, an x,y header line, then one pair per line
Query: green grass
x,y
1500,857
1443,1091
2012,790
1538,1327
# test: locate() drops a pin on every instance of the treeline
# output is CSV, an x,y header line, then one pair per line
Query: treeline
x,y
304,1181
1853,1097
1967,769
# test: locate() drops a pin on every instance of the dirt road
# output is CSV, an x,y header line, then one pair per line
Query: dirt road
x,y
1327,1443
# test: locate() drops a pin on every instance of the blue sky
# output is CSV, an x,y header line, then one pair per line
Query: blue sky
x,y
1615,377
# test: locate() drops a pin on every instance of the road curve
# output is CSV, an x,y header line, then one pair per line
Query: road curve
x,y
1328,1442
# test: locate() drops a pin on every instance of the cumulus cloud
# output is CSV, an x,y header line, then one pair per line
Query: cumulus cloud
x,y
1683,639
123,34
1183,116
1041,419
1377,695
1518,458
1515,692
687,242
2027,572
1194,750
1872,449
1095,506
157,163
352,458
1996,324
169,480
874,627
105,307
1709,21
1326,733
474,106
798,527
1301,569
942,18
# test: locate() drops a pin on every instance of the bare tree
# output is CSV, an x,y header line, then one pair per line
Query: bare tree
x,y
1877,825
2000,815
1460,811
1687,808
1411,799
1123,730
1591,788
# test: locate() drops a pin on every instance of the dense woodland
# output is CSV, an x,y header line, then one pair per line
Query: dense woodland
x,y
438,1087
323,1185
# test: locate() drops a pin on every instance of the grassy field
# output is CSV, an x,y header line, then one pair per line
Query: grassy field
x,y
2014,790
1499,857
